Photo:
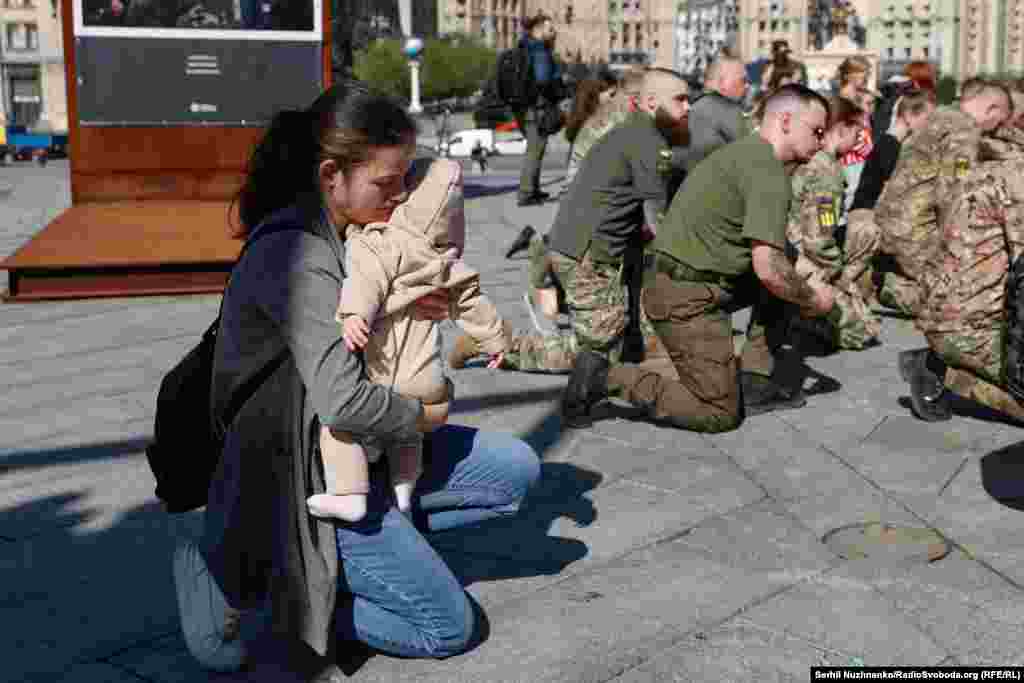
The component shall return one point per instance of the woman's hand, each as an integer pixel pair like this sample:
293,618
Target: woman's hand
355,332
433,306
496,361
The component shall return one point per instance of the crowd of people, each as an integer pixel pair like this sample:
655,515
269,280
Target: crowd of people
877,212
815,210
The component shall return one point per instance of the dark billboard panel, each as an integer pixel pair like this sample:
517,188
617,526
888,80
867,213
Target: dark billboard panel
227,15
190,62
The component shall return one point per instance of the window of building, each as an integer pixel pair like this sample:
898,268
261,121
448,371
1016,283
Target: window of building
906,52
21,37
890,52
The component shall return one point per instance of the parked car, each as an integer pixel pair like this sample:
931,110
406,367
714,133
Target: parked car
462,143
25,145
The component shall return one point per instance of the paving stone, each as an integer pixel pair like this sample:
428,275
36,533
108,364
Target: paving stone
968,610
87,497
849,616
762,537
643,434
574,630
81,595
852,502
786,462
155,358
92,672
47,395
738,651
117,329
166,661
985,528
25,427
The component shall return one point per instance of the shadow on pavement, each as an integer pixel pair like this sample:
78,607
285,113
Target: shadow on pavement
20,460
965,407
477,190
478,403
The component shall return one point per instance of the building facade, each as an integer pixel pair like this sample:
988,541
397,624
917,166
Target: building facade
963,38
701,30
32,88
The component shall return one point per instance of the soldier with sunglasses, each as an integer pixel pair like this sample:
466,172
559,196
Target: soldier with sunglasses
721,247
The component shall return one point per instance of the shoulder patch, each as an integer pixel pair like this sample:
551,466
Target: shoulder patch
827,215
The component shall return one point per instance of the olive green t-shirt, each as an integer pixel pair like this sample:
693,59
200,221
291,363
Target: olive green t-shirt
604,208
739,194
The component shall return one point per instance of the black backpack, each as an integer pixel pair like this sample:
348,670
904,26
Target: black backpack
514,82
188,438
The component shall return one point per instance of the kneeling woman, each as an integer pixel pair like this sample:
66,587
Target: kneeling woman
822,251
341,162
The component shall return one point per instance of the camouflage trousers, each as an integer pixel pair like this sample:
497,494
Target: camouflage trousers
975,358
900,265
856,324
597,303
900,293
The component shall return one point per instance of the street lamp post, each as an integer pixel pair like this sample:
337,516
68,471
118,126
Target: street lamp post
412,49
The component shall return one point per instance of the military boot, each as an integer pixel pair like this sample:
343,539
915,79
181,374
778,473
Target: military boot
465,347
929,400
762,394
816,335
587,385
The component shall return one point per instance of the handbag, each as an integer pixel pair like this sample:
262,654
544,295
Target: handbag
188,438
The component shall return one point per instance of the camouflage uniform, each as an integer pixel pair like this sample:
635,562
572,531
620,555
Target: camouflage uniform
598,313
908,212
815,213
963,288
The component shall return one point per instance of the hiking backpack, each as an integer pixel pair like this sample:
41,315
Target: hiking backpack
514,80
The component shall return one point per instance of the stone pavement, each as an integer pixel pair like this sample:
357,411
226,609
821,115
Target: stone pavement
646,554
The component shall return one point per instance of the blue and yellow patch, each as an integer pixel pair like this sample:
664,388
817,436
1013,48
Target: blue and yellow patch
827,217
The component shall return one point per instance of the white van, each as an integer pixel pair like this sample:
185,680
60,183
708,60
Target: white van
461,144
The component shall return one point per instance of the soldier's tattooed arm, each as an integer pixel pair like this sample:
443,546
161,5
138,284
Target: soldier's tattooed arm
777,274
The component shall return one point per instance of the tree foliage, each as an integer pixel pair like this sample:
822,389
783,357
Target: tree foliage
450,67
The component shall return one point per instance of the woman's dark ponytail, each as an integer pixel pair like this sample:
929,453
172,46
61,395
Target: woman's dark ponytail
281,168
343,123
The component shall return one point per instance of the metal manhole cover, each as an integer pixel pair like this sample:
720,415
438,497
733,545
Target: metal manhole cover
886,541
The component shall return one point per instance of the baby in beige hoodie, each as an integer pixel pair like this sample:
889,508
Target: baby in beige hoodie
389,266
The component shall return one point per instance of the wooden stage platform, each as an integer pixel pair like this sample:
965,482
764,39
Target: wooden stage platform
126,248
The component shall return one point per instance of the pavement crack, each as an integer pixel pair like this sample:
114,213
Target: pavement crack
956,473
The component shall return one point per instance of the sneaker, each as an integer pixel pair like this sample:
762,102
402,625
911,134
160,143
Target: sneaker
521,242
929,400
762,395
543,324
211,627
587,385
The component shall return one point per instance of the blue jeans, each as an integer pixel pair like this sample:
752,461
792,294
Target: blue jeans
403,599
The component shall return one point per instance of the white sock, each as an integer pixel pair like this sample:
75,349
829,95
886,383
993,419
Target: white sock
403,496
350,507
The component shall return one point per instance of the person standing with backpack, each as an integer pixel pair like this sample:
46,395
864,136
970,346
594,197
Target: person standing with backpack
534,116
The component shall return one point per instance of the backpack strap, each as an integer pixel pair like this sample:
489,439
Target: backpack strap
242,395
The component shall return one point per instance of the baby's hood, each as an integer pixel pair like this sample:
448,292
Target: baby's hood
436,206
